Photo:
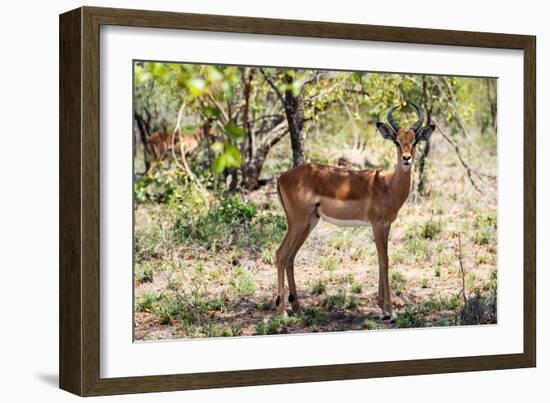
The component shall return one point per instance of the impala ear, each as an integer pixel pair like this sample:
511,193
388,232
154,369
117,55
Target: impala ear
385,131
425,133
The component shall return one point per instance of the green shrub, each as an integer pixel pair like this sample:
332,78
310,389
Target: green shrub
312,317
431,229
266,306
147,303
470,280
222,220
441,303
437,270
235,210
370,324
329,264
268,255
265,231
397,281
145,273
485,228
157,188
418,247
339,301
275,325
397,257
411,317
166,313
356,287
213,330
483,236
148,240
242,283
415,315
165,186
491,284
347,278
232,223
342,241
358,254
318,288
335,301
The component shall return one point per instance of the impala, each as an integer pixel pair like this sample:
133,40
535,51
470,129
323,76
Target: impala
347,198
161,142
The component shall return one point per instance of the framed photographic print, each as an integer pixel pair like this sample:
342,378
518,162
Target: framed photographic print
249,201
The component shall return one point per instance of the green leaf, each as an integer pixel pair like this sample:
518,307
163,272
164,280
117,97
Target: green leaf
227,89
296,87
142,77
233,156
214,74
196,86
217,147
160,70
182,79
211,112
219,164
234,131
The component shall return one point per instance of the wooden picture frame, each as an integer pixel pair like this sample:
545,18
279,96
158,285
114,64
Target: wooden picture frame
79,346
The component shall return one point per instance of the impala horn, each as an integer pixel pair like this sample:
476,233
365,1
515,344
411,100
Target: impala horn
418,123
392,122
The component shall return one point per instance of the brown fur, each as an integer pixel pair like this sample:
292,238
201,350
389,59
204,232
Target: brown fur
161,142
374,197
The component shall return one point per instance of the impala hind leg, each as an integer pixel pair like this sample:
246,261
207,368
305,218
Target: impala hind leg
284,258
281,257
295,247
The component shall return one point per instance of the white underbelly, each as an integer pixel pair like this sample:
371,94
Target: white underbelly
343,223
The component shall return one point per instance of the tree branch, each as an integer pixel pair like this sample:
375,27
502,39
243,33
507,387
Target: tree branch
272,85
314,78
355,91
469,170
457,114
184,165
217,105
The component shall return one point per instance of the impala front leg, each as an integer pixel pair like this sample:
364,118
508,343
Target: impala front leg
281,257
284,260
381,234
293,294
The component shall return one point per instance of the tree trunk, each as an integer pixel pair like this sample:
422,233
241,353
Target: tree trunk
421,188
294,110
253,169
233,180
143,128
249,146
426,101
491,91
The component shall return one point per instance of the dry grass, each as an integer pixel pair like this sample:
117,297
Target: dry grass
223,282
